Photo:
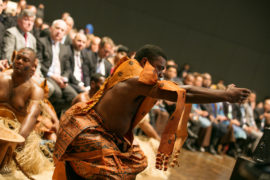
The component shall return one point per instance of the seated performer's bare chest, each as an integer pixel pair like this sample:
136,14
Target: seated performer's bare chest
15,98
118,107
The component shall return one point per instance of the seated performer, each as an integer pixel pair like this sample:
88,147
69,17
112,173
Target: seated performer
95,139
20,97
96,81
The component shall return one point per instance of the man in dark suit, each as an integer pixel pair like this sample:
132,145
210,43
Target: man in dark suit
55,65
81,66
99,59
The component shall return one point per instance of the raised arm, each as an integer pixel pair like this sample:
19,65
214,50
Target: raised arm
195,94
201,95
33,110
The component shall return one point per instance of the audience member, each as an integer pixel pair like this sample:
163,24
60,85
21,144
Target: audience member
99,59
184,70
8,20
199,120
171,62
249,124
218,130
55,65
94,44
19,36
121,51
67,40
262,115
40,11
81,66
65,15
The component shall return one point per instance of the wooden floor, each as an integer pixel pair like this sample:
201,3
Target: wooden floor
194,166
200,166
197,165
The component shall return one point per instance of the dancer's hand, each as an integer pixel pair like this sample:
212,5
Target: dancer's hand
237,95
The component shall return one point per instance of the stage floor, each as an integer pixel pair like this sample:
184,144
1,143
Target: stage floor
194,166
201,166
197,165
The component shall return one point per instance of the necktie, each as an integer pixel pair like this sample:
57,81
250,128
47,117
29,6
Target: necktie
25,37
80,65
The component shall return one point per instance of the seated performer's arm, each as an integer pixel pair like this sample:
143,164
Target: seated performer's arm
54,118
33,110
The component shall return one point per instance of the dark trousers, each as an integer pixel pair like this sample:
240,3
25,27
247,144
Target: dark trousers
61,98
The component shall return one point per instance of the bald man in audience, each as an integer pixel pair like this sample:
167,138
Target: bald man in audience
81,66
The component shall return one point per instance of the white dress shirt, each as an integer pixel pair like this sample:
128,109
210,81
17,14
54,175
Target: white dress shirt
78,74
101,66
55,68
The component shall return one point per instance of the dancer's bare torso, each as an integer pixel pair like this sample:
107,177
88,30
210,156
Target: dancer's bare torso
119,105
15,98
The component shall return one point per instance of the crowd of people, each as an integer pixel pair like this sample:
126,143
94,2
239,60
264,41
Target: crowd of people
70,66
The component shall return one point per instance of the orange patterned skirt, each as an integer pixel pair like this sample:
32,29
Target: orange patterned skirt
97,153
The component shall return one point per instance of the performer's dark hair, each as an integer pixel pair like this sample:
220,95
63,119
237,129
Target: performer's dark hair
150,52
95,77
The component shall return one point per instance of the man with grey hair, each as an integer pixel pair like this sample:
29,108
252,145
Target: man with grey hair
19,36
55,65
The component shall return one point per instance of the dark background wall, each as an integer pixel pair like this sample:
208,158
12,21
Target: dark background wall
229,39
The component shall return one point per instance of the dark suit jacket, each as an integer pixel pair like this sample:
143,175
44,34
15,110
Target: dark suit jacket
68,41
87,70
44,54
94,59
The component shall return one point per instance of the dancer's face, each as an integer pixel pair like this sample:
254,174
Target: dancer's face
159,63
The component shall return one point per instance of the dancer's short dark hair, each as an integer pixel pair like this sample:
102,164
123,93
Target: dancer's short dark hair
150,52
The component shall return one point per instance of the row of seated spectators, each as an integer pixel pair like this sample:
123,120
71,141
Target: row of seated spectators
219,128
69,58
